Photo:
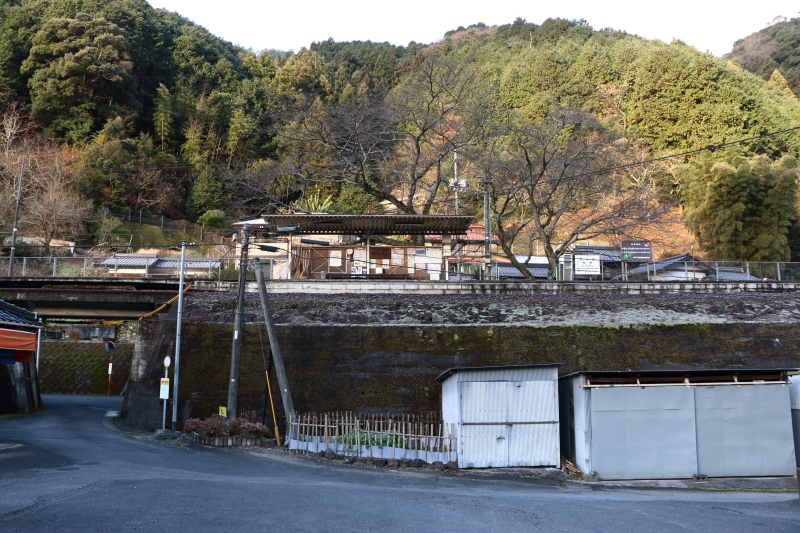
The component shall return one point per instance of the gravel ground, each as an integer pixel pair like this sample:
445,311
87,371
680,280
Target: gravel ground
605,310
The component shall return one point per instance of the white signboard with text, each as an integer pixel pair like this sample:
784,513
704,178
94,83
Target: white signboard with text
587,265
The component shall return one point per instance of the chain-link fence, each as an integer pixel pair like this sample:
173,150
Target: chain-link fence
226,268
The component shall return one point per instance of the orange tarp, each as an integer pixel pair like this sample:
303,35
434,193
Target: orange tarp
17,340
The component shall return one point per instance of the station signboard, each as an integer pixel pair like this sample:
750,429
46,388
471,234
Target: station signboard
637,251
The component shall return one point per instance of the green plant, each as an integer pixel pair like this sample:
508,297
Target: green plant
381,439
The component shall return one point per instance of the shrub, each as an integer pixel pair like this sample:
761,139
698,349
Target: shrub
191,424
236,426
214,426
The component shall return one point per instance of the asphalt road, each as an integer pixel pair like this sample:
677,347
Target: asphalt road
73,473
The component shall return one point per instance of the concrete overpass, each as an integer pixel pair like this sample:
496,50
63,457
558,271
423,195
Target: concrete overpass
89,298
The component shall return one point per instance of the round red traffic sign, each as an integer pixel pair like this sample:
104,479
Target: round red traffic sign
167,361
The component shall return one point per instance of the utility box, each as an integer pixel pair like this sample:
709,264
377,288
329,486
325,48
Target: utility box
678,424
503,416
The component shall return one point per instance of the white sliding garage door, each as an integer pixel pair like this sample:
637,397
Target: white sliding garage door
508,423
678,431
643,433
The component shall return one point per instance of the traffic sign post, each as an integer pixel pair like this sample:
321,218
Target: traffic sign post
163,392
110,347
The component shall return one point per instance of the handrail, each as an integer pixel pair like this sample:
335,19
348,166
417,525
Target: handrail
148,315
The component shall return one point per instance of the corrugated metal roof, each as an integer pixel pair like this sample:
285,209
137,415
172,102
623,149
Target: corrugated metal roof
362,224
450,371
695,373
14,314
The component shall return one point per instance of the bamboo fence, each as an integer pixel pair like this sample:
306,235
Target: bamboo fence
378,436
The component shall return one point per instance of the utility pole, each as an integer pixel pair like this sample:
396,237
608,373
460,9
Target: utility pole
176,372
18,198
487,229
277,358
457,186
238,326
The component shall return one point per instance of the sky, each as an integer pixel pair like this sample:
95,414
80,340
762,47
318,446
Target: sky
708,25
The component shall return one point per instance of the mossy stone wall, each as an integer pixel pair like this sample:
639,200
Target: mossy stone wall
82,367
393,368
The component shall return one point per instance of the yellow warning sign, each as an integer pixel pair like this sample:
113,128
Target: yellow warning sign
223,411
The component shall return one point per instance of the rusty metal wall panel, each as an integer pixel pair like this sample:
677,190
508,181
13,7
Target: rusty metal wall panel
643,433
744,431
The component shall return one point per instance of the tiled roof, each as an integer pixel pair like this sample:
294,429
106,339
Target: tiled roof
475,234
361,224
143,261
190,263
508,271
130,260
663,264
606,253
13,314
733,274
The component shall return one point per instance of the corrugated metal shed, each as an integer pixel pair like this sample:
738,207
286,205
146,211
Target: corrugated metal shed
676,424
504,415
363,224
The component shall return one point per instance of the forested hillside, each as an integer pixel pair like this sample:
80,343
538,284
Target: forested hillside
115,105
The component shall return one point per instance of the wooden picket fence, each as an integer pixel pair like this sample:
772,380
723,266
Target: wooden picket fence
378,436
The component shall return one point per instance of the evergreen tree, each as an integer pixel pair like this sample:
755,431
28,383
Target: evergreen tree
79,76
162,117
738,208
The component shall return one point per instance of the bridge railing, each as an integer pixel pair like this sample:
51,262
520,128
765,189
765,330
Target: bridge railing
91,267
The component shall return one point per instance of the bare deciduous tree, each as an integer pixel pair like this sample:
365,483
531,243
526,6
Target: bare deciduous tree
56,210
548,183
13,124
392,147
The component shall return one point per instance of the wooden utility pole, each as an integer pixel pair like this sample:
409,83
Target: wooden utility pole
277,358
238,327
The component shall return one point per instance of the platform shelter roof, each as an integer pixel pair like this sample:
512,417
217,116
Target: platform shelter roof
327,224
